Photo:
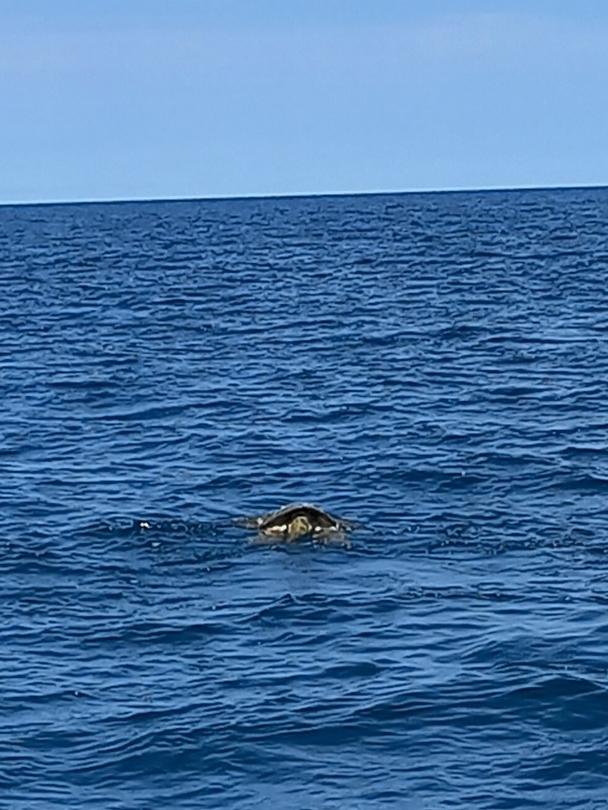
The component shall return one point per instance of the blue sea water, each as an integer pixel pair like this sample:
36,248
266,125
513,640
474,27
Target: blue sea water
434,366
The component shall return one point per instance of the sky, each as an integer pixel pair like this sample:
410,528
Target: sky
136,99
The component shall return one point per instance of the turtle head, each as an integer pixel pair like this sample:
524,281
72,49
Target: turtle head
299,526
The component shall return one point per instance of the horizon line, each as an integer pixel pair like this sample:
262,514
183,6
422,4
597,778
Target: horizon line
301,195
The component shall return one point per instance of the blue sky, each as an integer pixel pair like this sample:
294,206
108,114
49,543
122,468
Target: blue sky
193,98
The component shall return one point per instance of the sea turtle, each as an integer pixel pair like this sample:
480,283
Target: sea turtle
298,520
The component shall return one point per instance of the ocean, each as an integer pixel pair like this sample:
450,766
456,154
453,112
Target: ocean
433,366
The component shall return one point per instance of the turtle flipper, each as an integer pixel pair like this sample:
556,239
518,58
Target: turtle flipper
349,525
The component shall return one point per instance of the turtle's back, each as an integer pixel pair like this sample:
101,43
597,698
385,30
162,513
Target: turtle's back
315,516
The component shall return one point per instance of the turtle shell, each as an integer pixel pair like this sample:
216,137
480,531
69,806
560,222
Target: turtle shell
318,518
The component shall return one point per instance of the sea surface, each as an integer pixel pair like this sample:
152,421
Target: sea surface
432,366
